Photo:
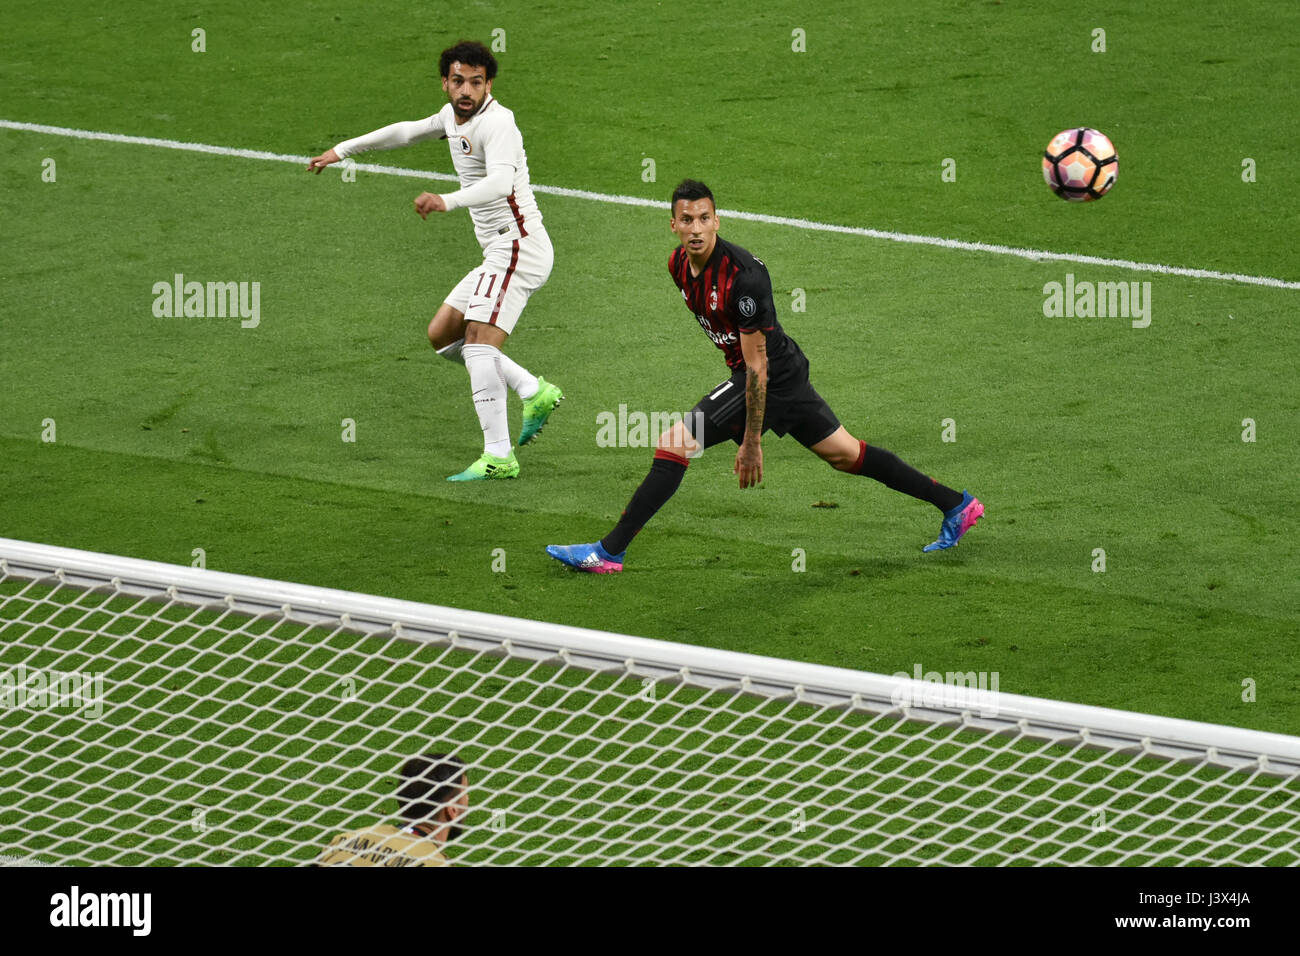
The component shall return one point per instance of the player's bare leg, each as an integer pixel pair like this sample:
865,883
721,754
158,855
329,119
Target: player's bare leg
841,450
673,451
960,510
447,332
678,443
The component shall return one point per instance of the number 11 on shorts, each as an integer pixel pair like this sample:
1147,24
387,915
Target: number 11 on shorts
491,277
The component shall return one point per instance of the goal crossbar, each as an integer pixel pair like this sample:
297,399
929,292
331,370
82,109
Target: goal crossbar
823,685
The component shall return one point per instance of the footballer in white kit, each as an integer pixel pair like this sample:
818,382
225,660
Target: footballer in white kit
473,322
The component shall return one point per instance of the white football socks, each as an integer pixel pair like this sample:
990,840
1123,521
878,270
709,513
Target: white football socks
523,382
487,381
452,352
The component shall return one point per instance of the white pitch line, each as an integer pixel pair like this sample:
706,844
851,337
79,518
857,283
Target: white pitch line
1035,255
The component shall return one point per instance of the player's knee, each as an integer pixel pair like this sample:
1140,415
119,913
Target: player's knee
841,451
841,461
446,327
480,333
677,443
669,444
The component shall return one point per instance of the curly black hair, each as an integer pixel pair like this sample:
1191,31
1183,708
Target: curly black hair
471,53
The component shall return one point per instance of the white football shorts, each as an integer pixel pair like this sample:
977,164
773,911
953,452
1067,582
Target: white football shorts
512,270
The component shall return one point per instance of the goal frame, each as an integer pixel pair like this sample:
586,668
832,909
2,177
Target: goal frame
771,678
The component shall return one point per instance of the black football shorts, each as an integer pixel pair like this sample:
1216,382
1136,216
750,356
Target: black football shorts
793,409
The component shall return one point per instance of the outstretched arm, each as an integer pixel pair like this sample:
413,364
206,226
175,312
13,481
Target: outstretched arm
391,136
749,457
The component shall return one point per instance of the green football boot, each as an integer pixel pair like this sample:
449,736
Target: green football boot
489,466
538,409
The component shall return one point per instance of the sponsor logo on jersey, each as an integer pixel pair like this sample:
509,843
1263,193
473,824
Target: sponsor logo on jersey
747,306
719,338
465,147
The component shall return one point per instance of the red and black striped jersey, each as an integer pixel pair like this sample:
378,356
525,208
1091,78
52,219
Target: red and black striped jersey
733,294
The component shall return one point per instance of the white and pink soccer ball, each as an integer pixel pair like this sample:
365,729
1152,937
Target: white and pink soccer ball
1080,164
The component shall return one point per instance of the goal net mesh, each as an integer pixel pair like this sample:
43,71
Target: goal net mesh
139,726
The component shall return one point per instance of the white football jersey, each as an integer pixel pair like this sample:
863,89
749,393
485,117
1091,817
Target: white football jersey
489,142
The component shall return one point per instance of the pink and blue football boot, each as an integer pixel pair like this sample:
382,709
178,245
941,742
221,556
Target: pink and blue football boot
587,557
957,522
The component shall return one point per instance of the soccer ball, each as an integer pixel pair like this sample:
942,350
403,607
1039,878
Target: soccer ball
1080,164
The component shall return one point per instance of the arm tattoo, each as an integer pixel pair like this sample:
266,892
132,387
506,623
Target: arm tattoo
756,396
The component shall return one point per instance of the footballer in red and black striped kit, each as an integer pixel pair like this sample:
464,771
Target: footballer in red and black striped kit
730,293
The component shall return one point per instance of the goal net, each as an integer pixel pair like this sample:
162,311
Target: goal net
156,715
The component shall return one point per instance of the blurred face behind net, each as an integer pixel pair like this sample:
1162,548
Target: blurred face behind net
456,810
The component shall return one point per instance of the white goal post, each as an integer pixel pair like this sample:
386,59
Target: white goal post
153,714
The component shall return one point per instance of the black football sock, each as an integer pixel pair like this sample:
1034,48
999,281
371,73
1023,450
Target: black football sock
658,486
893,472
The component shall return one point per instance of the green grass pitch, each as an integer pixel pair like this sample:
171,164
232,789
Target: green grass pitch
1077,433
